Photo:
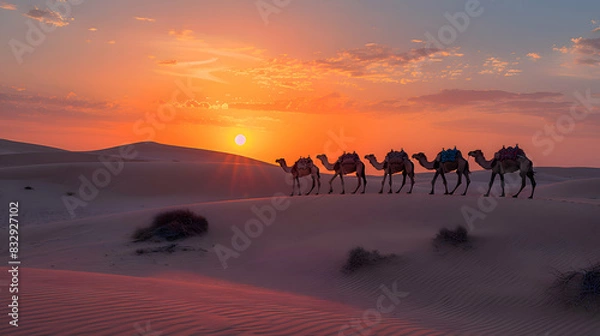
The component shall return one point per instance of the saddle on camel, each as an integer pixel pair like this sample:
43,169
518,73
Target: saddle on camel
396,157
449,155
510,153
303,164
346,159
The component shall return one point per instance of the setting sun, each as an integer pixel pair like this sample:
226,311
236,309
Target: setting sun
240,139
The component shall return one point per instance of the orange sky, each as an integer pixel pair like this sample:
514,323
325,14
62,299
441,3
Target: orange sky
107,76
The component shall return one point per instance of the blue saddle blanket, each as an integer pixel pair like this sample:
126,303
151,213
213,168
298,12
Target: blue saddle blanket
449,155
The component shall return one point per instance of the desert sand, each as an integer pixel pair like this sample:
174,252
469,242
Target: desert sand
81,275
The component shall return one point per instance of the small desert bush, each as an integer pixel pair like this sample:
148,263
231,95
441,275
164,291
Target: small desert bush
580,289
28,188
457,237
172,225
358,257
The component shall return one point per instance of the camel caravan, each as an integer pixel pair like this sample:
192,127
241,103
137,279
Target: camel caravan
506,160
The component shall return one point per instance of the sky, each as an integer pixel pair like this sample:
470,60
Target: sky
301,78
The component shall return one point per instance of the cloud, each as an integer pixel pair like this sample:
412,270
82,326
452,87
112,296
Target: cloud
51,109
194,70
48,16
534,56
372,63
167,62
93,29
457,97
381,64
542,104
496,66
145,19
7,6
587,50
182,35
112,42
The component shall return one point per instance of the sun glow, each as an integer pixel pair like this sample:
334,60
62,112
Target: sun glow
240,139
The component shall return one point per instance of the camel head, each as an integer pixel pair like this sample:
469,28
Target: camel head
321,157
419,156
280,161
370,157
476,153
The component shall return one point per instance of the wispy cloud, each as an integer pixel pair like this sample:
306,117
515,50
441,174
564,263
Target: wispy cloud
145,19
167,62
48,16
93,29
7,6
182,35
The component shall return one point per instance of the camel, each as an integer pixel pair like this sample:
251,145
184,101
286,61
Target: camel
302,167
460,165
394,162
500,167
346,164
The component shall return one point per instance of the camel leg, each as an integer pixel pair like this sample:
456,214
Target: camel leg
331,180
491,184
502,183
318,183
364,177
468,182
459,182
343,186
383,183
293,186
313,185
435,176
298,183
523,183
532,179
390,191
359,183
445,183
403,181
412,182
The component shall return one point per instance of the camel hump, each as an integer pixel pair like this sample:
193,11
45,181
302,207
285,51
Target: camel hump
510,153
347,158
396,157
304,163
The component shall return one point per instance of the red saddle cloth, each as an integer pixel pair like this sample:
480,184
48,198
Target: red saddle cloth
509,153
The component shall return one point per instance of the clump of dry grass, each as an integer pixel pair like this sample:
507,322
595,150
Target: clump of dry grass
172,225
358,257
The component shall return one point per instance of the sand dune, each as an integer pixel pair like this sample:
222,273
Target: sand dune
118,305
85,277
16,147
